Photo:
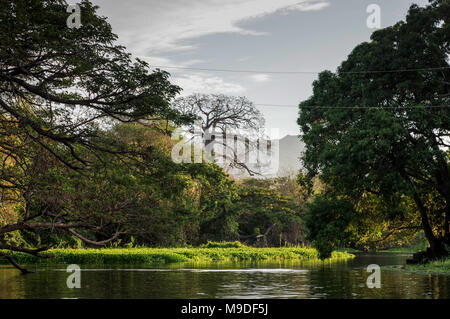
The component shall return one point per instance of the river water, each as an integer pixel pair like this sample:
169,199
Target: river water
345,279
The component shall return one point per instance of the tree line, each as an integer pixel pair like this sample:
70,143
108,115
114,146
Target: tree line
85,145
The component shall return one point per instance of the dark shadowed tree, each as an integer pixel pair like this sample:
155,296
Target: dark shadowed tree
380,125
60,88
327,219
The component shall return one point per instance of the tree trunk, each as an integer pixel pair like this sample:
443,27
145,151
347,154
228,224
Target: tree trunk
447,224
424,218
437,247
13,262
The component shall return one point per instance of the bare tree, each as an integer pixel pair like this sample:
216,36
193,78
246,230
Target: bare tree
221,117
222,111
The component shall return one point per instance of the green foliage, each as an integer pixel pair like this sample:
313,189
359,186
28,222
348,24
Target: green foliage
174,255
378,225
263,209
223,244
66,159
380,133
327,219
437,266
213,194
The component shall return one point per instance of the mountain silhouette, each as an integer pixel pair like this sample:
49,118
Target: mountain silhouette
290,150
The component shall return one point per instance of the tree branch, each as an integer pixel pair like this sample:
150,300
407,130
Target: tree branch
95,243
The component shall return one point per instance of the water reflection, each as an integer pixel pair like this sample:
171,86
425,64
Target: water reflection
344,279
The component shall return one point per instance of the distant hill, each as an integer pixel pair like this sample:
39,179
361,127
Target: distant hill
291,148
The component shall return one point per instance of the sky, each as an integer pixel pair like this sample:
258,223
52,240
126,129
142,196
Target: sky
261,36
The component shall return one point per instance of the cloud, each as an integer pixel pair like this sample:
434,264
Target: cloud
151,27
311,5
243,59
158,31
197,82
260,77
203,83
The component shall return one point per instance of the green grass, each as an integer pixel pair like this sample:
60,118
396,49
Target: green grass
175,255
224,244
348,250
438,266
401,250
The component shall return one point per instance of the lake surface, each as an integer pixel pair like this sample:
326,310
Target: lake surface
345,279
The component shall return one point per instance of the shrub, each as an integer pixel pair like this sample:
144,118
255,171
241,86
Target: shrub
223,244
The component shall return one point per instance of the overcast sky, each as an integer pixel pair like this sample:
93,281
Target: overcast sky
261,35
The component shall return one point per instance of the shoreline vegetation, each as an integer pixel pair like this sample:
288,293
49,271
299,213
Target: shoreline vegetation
441,266
436,266
400,250
115,175
177,255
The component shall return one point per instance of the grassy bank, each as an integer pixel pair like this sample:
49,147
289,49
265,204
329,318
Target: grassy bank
438,266
174,255
402,250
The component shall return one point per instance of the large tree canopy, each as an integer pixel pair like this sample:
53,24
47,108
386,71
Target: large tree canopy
380,125
57,82
61,88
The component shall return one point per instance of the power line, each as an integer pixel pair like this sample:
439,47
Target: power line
298,72
355,107
277,105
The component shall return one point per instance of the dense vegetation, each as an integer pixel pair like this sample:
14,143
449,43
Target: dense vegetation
378,136
85,148
150,256
85,151
437,266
